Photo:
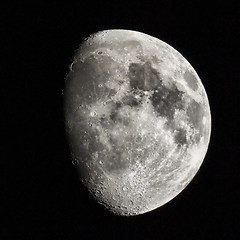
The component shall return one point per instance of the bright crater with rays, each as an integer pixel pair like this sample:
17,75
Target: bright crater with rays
137,119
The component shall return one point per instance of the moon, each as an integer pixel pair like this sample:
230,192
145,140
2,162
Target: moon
137,120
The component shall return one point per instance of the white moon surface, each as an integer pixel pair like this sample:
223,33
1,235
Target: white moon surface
138,120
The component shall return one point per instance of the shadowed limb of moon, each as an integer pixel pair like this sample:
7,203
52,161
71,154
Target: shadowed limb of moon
137,119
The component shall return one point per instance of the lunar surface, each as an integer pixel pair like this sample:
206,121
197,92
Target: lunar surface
137,120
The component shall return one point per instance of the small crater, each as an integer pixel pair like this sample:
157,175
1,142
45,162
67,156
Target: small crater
75,162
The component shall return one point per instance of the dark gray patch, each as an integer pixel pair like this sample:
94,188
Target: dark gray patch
191,80
180,136
195,114
143,76
113,115
165,101
131,101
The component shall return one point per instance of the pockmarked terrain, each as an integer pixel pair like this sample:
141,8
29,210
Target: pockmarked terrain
137,119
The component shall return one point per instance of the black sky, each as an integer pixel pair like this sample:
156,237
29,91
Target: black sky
42,196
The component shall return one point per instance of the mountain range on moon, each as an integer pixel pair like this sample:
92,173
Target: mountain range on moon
138,120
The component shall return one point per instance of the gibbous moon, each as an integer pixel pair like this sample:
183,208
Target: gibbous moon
137,119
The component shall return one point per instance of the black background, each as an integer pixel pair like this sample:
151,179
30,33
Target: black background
42,196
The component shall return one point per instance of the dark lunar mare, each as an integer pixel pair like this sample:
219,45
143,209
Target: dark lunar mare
143,76
191,80
164,100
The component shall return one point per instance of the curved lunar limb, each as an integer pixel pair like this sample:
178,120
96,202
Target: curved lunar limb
137,119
